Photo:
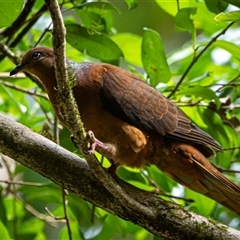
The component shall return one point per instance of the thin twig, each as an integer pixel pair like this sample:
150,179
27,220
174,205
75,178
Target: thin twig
29,25
24,183
227,170
230,83
65,202
15,87
59,219
196,57
49,220
5,50
12,189
160,192
232,148
43,34
235,160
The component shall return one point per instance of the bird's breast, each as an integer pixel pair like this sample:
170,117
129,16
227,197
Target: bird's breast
132,145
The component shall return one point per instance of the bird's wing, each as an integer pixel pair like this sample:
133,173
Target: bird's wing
134,101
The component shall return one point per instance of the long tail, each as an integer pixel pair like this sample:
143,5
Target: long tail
191,169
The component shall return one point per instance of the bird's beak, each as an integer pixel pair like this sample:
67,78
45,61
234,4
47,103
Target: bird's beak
17,69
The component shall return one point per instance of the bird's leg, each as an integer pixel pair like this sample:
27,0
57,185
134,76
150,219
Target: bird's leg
93,143
106,149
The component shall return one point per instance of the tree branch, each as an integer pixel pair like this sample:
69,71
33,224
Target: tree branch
69,171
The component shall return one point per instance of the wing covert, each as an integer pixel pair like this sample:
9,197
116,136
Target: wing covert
139,104
134,101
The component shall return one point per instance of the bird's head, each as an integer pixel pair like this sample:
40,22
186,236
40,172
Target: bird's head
36,61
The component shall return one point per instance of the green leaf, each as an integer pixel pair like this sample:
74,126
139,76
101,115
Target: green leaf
3,216
154,58
92,229
9,11
4,231
14,105
173,6
131,4
229,47
130,44
95,44
201,204
88,227
204,20
32,225
64,234
100,7
97,15
200,92
129,174
229,16
91,20
161,179
183,18
216,6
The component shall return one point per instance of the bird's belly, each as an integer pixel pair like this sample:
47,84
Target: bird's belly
126,144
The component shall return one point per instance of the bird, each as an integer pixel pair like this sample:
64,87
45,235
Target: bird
134,125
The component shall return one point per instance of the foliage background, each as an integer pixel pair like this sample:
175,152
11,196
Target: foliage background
139,36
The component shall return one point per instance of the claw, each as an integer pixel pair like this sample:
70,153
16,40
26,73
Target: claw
93,143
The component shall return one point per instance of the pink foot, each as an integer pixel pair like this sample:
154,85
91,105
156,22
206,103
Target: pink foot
93,143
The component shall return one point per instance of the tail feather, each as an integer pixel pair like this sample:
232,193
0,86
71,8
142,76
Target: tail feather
227,194
191,169
221,189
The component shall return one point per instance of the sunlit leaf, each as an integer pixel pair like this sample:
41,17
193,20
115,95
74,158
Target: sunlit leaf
203,20
229,46
183,18
130,44
100,7
154,57
229,16
96,15
201,204
11,100
9,11
216,6
173,6
4,231
131,4
200,92
95,44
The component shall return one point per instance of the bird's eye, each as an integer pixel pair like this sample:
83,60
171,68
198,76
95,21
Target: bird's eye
36,55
